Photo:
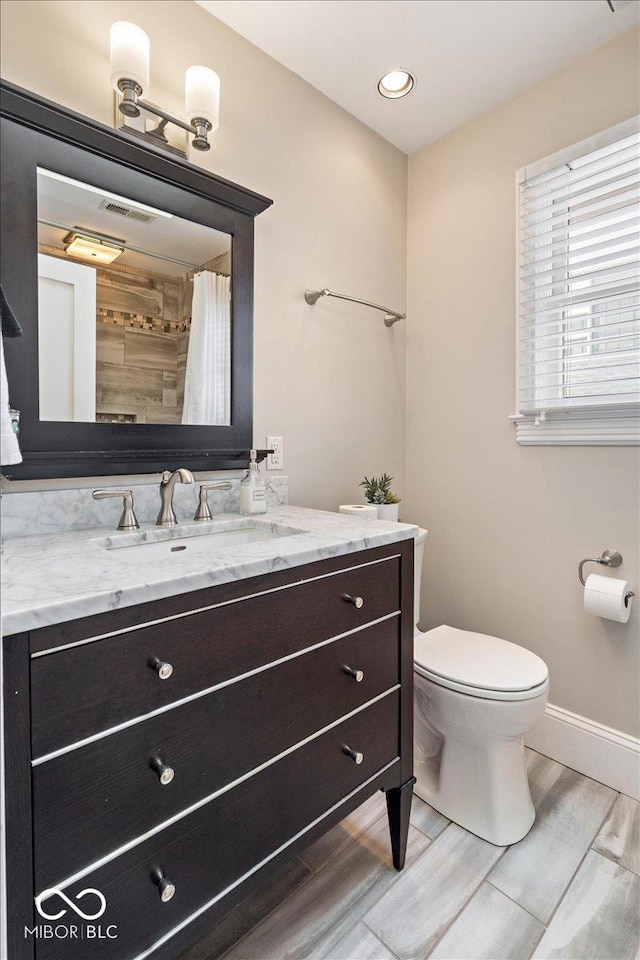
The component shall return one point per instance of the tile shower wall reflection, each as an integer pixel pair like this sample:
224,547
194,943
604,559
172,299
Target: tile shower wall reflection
137,348
142,337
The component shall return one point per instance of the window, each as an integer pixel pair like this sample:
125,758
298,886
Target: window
578,340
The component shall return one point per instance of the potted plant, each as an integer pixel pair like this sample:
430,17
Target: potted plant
377,490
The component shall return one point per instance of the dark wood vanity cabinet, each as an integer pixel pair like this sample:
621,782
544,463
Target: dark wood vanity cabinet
172,755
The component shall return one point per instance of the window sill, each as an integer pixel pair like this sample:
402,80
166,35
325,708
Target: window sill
613,427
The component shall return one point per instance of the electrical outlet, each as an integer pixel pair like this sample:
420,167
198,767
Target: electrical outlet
275,460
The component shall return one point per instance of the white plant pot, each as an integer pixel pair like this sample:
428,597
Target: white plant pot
388,511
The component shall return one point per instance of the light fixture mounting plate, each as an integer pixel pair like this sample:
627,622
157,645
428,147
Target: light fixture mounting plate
151,129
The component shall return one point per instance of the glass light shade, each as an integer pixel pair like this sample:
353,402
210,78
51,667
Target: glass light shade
202,95
86,248
396,83
130,55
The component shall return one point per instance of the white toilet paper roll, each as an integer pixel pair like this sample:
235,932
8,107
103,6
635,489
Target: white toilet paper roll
359,510
605,597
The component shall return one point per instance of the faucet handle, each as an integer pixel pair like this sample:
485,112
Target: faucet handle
128,519
203,512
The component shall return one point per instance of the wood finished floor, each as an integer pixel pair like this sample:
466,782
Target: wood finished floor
569,890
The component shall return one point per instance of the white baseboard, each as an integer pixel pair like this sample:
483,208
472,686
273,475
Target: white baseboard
606,755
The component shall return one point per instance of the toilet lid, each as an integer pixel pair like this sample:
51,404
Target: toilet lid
477,660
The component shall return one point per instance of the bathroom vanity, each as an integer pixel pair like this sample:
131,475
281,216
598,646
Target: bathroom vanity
171,753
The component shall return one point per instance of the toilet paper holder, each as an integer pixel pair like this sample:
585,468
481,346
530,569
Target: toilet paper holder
609,558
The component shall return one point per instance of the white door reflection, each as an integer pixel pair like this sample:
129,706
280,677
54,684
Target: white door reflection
67,381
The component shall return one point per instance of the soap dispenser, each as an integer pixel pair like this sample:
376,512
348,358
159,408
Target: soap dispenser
253,489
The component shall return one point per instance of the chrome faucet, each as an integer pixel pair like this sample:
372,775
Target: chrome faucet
167,517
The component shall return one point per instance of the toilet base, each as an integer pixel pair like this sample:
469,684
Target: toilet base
469,760
485,792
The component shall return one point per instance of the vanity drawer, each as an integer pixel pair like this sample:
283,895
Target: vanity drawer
108,792
215,845
92,687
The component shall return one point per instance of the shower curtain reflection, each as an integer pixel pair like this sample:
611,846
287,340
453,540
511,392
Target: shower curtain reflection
207,388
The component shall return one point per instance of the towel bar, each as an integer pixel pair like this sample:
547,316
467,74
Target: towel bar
390,316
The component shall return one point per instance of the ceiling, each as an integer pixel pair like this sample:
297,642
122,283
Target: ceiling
467,55
66,206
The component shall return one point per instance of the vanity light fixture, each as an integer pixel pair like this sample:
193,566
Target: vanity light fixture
397,83
88,248
130,60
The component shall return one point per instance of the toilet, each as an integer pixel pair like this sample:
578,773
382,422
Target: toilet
476,697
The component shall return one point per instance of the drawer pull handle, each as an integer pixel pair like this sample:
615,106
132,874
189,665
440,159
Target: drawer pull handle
355,755
358,675
165,773
166,888
162,667
358,602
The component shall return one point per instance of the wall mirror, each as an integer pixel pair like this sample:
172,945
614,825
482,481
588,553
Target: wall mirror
121,336
131,274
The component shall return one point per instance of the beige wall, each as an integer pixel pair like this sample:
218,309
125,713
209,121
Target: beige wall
508,524
329,379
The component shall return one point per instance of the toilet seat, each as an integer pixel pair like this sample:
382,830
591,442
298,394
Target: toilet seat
479,665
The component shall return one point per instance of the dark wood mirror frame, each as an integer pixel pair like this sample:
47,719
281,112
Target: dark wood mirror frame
37,133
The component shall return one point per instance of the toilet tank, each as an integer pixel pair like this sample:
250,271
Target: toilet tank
418,554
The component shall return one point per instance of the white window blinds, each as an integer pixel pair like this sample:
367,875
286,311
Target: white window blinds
579,292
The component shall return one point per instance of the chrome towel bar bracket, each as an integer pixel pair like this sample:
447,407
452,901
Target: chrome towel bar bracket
390,316
609,558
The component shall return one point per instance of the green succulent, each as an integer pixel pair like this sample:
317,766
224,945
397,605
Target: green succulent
378,489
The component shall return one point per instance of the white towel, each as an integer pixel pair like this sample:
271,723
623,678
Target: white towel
9,449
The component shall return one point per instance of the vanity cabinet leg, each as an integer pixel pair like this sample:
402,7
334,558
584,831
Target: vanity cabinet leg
398,810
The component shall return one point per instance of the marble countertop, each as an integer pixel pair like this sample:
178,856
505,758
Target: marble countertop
47,579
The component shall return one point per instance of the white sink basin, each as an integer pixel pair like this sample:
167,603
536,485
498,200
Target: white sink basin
177,545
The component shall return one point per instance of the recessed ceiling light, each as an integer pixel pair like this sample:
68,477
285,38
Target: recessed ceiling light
396,83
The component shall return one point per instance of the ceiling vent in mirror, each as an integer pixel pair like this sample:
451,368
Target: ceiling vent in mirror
121,211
